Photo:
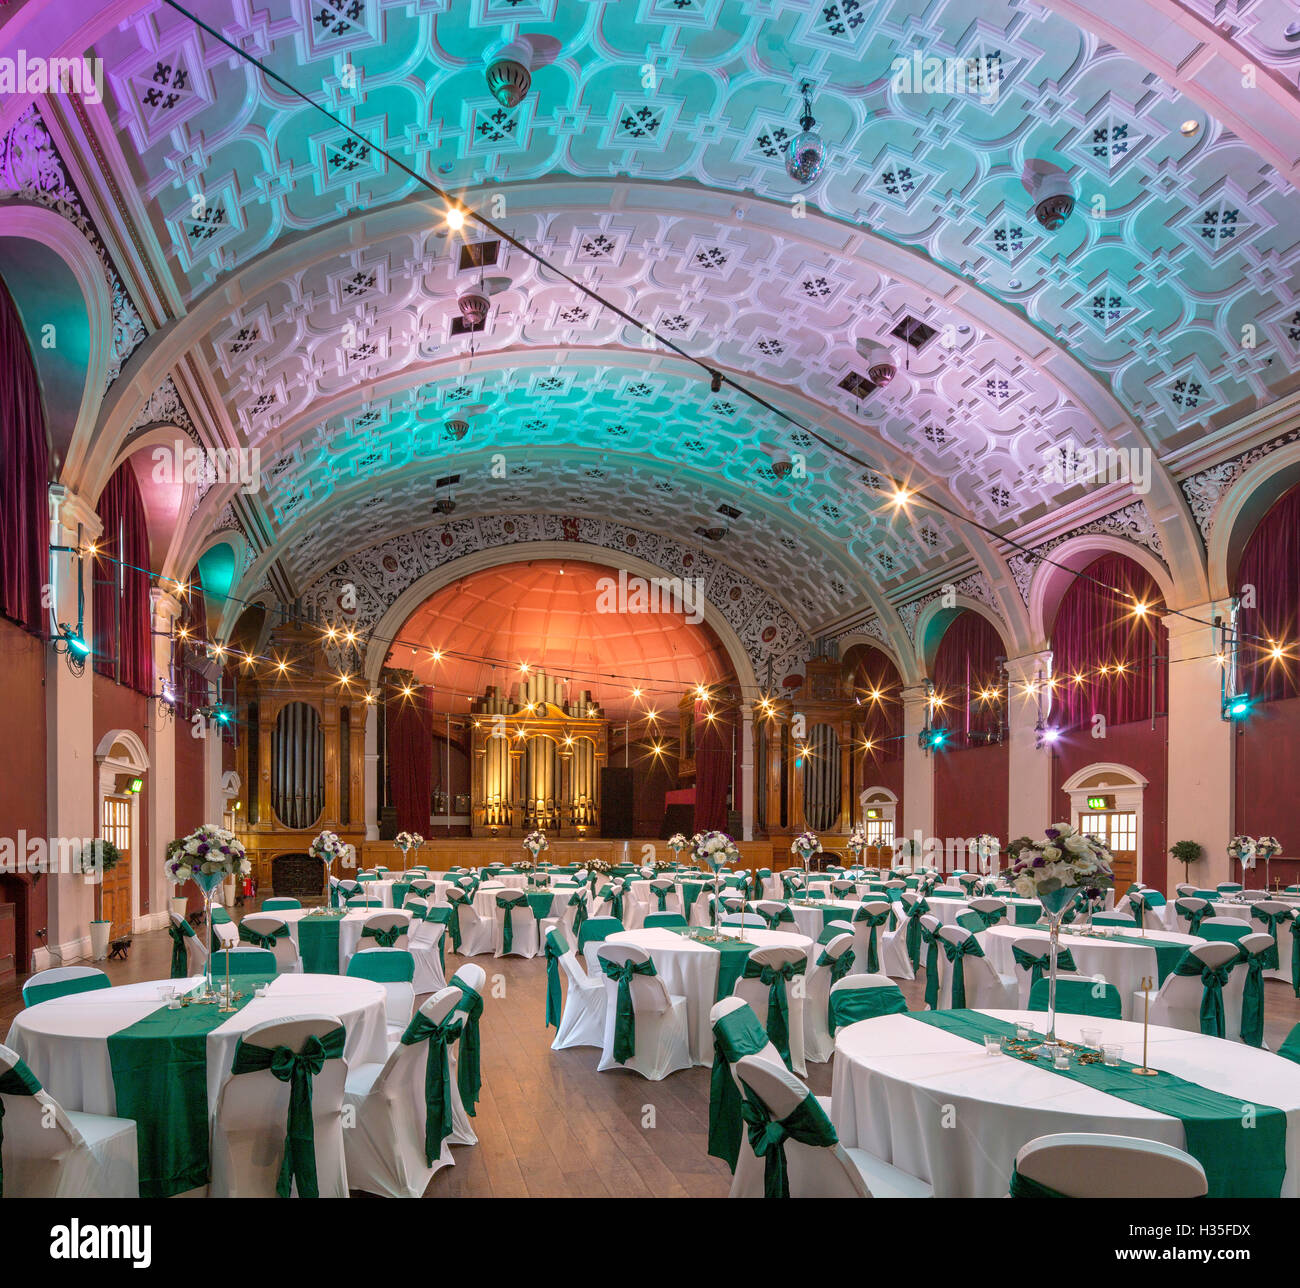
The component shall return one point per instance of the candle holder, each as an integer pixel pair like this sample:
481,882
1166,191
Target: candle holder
1147,983
227,1002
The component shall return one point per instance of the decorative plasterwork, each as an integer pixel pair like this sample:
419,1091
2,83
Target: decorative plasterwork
976,586
1133,523
1206,489
32,170
380,574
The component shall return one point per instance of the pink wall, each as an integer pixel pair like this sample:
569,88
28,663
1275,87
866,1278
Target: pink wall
1268,804
970,792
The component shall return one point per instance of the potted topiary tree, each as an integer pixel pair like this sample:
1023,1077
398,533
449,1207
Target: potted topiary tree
103,857
1186,852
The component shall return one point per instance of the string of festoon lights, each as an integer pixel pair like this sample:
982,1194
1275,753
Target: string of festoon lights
900,496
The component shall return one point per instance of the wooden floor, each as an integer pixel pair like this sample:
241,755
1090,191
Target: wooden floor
550,1126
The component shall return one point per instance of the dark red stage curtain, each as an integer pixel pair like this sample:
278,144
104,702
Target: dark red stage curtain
24,477
881,719
963,667
1271,565
712,770
1095,627
410,760
123,611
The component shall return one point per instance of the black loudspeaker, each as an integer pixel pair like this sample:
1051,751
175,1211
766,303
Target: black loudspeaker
677,818
616,811
388,822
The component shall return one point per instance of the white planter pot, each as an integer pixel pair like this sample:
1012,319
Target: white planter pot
100,932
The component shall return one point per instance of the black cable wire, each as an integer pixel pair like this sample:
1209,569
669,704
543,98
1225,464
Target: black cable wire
665,341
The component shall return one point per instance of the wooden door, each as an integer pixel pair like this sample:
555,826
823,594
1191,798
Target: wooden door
115,826
1118,830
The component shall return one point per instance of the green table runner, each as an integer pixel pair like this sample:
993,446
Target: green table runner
318,944
735,953
1239,1162
1167,955
539,903
160,1079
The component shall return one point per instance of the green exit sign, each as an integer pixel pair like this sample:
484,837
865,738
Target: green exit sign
1101,802
873,813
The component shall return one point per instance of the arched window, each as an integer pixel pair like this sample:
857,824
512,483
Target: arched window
1268,584
1102,651
24,476
879,689
968,681
123,643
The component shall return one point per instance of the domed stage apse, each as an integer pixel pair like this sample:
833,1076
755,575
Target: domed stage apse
546,674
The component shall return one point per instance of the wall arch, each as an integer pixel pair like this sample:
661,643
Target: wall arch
1248,500
935,620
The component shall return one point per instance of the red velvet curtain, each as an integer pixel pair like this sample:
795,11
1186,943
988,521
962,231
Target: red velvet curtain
123,612
881,720
1271,564
712,769
1096,627
24,477
410,760
964,665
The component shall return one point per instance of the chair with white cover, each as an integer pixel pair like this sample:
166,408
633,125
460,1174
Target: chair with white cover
1184,889
991,912
471,979
1147,908
1194,912
388,929
1032,955
1269,916
269,931
664,896
401,1109
1088,1165
832,963
280,903
1202,994
1119,920
645,1025
394,968
1254,956
59,981
753,920
245,959
582,1019
787,1122
870,923
475,932
1226,930
768,985
189,954
253,1155
1228,887
514,928
843,888
862,997
425,941
736,1033
966,977
48,1152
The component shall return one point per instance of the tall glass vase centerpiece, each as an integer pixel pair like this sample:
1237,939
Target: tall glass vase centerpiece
805,845
535,843
716,850
406,842
327,847
1266,847
858,842
207,856
1055,873
987,849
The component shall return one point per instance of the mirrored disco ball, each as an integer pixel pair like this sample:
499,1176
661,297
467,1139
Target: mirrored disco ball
804,156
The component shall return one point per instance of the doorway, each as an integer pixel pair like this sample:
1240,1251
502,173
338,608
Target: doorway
115,825
1118,831
1106,799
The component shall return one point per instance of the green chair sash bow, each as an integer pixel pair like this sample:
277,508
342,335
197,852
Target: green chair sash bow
912,935
736,1035
661,894
1272,921
1194,916
1038,963
384,936
595,930
872,920
625,1014
509,902
1023,1188
807,1124
615,896
1212,978
258,940
179,934
469,1073
453,922
956,955
578,902
776,919
556,947
777,978
839,967
931,940
1252,996
850,1005
990,918
17,1081
297,1068
437,1076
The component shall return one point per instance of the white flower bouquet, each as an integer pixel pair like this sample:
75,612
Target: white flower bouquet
858,841
716,849
408,841
805,844
987,849
677,843
1067,862
1267,847
208,852
1243,849
328,848
536,842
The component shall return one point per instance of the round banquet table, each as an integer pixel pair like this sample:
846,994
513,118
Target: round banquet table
690,970
1122,960
1026,911
66,1042
328,942
934,1104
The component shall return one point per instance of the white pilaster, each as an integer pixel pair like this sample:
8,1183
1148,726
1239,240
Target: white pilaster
1202,745
162,765
747,772
70,727
372,772
918,767
1029,794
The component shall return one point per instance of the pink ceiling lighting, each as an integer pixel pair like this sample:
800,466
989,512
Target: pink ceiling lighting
546,613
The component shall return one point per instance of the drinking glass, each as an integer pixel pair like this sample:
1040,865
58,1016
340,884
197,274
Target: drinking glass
992,1044
1090,1037
1112,1053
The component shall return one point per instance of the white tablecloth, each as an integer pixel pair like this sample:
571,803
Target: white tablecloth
937,1106
350,925
690,970
65,1040
1121,964
948,910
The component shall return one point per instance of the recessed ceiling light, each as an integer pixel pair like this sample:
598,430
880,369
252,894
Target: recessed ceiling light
1014,283
963,328
1292,31
1190,127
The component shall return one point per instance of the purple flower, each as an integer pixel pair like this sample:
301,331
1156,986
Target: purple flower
1052,833
1038,862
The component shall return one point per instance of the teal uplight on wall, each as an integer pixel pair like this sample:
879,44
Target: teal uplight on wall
217,576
